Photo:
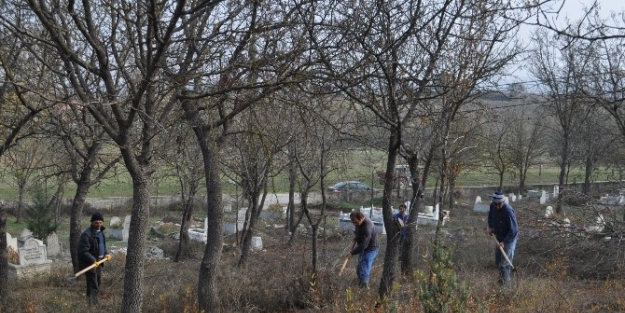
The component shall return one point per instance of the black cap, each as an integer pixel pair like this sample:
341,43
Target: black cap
97,217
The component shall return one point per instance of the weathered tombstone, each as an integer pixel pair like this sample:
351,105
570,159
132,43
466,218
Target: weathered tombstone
25,235
126,228
478,206
33,252
556,190
115,221
543,198
548,212
197,234
54,247
257,243
116,228
513,198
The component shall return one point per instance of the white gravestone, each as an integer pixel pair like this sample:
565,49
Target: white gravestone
33,260
126,228
116,221
257,243
543,198
54,247
11,242
478,206
33,252
25,234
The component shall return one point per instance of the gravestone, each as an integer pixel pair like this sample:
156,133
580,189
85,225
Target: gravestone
257,243
33,260
556,190
115,221
33,252
478,206
11,242
54,247
116,229
543,198
126,228
25,235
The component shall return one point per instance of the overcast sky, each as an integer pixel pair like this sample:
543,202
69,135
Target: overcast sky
572,11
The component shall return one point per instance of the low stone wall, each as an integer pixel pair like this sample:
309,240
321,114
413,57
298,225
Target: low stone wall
471,192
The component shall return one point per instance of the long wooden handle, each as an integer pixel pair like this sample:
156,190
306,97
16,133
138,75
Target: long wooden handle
343,267
346,259
96,264
503,252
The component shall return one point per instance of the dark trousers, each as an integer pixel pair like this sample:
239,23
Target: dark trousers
94,277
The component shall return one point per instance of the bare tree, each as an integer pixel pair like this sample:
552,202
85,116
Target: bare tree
18,107
113,57
385,55
591,26
84,159
526,141
179,160
24,161
561,74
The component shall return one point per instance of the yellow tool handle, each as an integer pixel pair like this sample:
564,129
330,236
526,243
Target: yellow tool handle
503,252
96,264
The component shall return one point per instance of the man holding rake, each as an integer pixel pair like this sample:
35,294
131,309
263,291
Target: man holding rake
502,223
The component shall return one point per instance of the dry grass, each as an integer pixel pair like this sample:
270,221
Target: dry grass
555,274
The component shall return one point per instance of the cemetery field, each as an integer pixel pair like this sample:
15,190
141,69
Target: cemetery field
558,270
360,171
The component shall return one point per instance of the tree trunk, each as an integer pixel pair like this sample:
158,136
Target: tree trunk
561,177
587,175
208,295
4,261
132,300
75,230
392,237
20,202
253,212
292,180
522,177
187,214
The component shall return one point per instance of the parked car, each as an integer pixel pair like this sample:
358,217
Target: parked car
346,186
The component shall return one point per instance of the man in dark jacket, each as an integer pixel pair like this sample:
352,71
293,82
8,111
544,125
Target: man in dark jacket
365,245
502,223
92,248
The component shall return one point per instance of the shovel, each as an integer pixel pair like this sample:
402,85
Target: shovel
504,253
107,257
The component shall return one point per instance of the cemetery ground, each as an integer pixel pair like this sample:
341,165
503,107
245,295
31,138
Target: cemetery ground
558,270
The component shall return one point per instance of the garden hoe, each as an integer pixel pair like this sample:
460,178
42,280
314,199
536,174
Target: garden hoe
108,257
504,254
346,259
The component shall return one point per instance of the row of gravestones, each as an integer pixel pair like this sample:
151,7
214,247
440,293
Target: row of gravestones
28,256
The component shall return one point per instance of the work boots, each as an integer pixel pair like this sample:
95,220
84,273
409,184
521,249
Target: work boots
363,285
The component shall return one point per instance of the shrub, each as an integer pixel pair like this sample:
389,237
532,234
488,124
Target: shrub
441,290
39,218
